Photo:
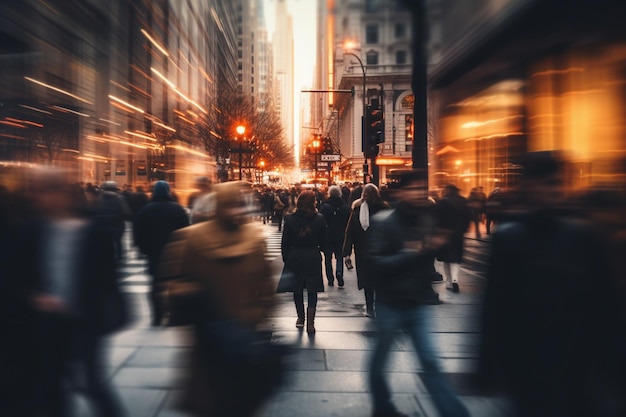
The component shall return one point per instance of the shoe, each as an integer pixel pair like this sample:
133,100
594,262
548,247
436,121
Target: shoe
300,323
455,287
370,313
331,283
340,281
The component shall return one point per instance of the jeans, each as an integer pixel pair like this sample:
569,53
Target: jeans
335,249
414,321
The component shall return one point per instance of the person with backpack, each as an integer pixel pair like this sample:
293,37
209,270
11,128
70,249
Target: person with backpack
336,212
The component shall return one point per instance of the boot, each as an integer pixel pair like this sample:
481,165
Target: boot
310,322
300,311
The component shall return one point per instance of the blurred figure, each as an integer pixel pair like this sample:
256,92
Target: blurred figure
401,246
493,207
267,205
336,212
63,275
203,187
477,201
281,204
152,228
553,333
355,193
136,200
454,215
303,241
112,212
356,236
229,375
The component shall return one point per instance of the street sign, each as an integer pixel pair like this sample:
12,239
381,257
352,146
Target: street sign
322,164
330,157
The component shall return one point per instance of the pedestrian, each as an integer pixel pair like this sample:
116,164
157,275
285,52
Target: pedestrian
281,204
355,193
112,212
356,237
454,215
477,200
401,246
303,241
267,205
203,186
136,200
152,228
63,275
336,212
231,369
553,334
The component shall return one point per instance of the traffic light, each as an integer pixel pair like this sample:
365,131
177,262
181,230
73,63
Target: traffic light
375,124
327,146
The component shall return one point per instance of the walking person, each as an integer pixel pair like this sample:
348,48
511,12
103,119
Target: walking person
355,238
477,201
152,228
336,212
64,272
231,369
281,204
401,246
549,274
112,212
303,241
454,215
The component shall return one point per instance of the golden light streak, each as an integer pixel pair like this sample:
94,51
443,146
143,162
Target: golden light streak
180,93
28,122
35,109
142,135
155,43
119,100
123,87
110,121
164,126
12,136
32,80
66,110
186,120
216,135
208,78
161,76
191,151
12,124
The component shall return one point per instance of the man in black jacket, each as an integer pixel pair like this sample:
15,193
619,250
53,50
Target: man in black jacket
336,212
402,245
152,228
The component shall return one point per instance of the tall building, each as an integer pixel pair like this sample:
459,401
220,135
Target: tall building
370,50
282,42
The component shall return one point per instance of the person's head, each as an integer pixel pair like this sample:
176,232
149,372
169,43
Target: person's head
161,190
370,193
542,178
450,189
306,203
334,191
232,203
203,184
109,186
411,188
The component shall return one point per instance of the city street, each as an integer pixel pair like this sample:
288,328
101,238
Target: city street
328,372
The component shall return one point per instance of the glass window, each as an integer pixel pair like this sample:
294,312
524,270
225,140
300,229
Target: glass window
371,33
400,57
400,30
371,58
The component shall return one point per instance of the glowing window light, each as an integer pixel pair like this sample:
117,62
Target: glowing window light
119,100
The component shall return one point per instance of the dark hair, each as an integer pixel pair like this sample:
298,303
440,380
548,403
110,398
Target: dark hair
306,203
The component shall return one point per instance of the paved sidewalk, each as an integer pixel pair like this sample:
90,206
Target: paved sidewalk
328,372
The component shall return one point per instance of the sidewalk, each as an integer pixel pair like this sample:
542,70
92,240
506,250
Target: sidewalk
328,373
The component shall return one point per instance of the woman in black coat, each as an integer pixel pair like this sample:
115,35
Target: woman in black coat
356,237
303,241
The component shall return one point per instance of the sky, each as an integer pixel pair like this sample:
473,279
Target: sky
304,14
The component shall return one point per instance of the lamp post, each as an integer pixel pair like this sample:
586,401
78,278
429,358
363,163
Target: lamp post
363,141
240,131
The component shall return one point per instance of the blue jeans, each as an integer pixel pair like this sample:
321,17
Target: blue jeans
414,321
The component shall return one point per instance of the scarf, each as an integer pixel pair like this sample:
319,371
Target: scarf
364,215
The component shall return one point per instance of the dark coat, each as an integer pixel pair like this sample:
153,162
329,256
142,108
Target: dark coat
304,238
552,331
454,215
355,237
153,226
402,275
336,212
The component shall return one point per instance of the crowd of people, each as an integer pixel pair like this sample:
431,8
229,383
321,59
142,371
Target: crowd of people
61,247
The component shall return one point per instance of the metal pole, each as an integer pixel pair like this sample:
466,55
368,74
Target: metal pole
240,149
363,141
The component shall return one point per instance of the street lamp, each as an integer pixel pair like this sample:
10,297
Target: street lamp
240,131
363,141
